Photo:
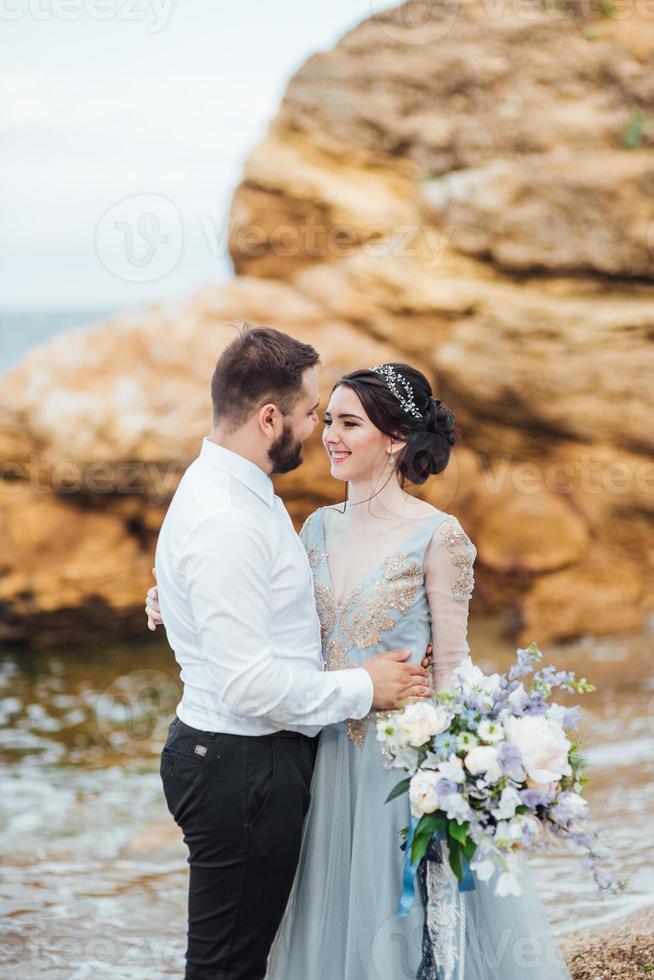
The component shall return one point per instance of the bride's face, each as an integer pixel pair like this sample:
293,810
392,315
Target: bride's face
357,450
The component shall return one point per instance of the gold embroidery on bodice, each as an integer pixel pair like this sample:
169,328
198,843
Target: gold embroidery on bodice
363,616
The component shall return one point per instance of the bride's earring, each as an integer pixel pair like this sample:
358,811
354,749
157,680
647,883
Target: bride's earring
391,459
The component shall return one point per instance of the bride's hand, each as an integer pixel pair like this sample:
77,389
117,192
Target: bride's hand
152,606
429,656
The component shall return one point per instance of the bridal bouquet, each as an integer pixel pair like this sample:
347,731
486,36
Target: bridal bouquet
492,772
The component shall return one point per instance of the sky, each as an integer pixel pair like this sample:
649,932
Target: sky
124,127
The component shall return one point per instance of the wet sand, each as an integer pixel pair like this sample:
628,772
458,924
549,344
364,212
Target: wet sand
623,950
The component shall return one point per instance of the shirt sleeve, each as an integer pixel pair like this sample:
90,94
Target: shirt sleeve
449,583
227,564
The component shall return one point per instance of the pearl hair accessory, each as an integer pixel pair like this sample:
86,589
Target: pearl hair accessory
394,381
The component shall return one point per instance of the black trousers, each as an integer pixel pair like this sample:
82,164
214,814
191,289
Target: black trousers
240,801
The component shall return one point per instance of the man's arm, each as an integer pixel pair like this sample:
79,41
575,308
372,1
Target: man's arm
227,567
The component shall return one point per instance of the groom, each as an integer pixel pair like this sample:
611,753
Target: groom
236,596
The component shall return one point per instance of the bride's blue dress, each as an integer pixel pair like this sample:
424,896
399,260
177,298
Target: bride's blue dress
341,921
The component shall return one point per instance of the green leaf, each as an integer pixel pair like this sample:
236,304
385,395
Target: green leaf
459,831
437,822
420,844
401,787
454,849
426,827
469,849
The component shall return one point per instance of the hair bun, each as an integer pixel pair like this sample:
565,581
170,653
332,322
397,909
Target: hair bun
439,420
428,447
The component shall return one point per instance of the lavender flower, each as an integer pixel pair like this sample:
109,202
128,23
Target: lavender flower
510,761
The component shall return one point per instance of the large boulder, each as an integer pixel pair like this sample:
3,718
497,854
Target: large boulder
463,185
96,428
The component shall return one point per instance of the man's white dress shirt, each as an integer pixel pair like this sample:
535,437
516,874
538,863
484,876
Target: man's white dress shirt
237,601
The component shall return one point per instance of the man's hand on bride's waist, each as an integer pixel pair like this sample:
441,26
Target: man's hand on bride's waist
394,681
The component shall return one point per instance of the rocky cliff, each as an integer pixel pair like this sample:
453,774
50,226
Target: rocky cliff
465,185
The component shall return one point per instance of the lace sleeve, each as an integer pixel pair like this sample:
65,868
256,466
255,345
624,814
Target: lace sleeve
305,531
449,583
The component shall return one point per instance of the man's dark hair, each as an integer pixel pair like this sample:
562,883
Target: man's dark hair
260,365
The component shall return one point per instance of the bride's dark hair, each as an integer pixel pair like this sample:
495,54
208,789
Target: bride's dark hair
428,439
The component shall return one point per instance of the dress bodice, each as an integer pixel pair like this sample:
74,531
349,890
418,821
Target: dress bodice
419,590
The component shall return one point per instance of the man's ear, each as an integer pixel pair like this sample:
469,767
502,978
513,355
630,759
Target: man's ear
269,418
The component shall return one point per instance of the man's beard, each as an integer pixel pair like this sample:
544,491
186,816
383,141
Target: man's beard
285,454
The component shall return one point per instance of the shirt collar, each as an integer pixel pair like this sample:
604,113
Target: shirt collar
242,469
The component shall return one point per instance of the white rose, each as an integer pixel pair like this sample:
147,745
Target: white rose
484,759
421,720
543,747
422,792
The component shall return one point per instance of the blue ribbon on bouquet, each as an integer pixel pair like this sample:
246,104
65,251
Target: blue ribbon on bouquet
409,870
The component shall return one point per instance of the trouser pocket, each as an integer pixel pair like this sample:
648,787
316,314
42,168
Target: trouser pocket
184,762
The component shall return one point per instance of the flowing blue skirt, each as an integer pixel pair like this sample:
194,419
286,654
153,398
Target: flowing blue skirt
341,921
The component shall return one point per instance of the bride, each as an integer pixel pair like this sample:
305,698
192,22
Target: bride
390,572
